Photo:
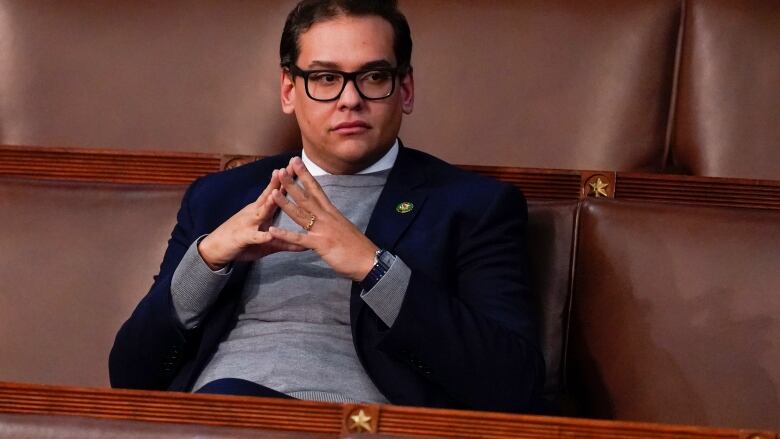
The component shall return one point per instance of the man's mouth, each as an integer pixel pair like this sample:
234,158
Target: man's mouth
354,127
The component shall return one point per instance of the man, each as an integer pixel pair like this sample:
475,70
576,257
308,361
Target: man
360,271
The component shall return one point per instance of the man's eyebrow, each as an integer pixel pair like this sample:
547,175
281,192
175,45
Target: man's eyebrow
323,65
377,64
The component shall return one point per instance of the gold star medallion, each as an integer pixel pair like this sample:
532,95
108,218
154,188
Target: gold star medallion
404,207
598,188
361,422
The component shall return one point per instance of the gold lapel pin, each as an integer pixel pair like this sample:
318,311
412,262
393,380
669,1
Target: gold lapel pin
404,207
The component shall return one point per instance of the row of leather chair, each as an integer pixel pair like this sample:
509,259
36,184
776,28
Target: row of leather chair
660,312
688,86
652,312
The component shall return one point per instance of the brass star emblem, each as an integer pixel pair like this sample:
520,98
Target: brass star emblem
598,188
361,422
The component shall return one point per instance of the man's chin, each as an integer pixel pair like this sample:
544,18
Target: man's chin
356,155
355,149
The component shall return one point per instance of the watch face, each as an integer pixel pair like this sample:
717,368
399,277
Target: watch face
386,258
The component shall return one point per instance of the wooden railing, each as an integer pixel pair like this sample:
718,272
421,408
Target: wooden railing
327,419
153,167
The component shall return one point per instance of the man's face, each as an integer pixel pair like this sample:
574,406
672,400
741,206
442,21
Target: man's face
348,134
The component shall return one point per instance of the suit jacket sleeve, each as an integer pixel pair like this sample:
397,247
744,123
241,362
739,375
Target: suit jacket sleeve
475,334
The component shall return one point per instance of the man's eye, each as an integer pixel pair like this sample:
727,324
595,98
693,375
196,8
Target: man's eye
325,78
376,76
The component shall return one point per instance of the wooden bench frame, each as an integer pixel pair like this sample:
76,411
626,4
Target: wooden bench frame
155,167
332,419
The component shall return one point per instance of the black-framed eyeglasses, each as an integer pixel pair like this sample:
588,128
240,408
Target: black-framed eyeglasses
327,85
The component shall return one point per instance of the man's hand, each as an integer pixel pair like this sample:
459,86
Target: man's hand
335,239
245,237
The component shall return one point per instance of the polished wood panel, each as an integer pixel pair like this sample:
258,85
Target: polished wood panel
327,418
105,165
704,191
153,167
171,407
536,184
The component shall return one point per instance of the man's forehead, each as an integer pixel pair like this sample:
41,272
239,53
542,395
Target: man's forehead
347,42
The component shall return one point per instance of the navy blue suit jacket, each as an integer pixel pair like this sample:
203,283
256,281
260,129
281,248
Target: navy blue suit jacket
466,334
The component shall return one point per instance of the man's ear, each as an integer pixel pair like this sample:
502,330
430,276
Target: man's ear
287,91
407,92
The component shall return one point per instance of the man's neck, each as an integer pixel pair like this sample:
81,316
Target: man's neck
385,162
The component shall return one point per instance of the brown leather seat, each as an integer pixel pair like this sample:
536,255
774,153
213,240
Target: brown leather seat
550,238
728,118
76,260
676,314
179,75
552,84
560,84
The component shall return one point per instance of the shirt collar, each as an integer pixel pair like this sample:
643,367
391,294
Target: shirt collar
386,162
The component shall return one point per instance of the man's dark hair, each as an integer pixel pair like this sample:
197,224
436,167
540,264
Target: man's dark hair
309,12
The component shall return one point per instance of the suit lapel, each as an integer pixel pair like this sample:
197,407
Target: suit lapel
400,202
405,184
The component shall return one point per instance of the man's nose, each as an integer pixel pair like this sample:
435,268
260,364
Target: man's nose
350,97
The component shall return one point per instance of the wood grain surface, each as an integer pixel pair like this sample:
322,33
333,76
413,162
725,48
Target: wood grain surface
326,418
157,167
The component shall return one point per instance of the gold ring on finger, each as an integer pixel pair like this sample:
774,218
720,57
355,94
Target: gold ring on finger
312,220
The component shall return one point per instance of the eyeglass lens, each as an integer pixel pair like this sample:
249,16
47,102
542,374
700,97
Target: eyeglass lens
375,84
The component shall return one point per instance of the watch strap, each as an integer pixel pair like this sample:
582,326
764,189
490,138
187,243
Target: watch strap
382,262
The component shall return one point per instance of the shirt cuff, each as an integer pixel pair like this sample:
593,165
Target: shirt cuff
195,286
387,295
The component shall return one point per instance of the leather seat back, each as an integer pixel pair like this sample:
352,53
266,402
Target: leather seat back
550,238
676,314
76,260
178,75
549,84
727,121
561,84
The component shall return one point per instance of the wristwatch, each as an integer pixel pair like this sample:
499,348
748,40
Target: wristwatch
383,259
